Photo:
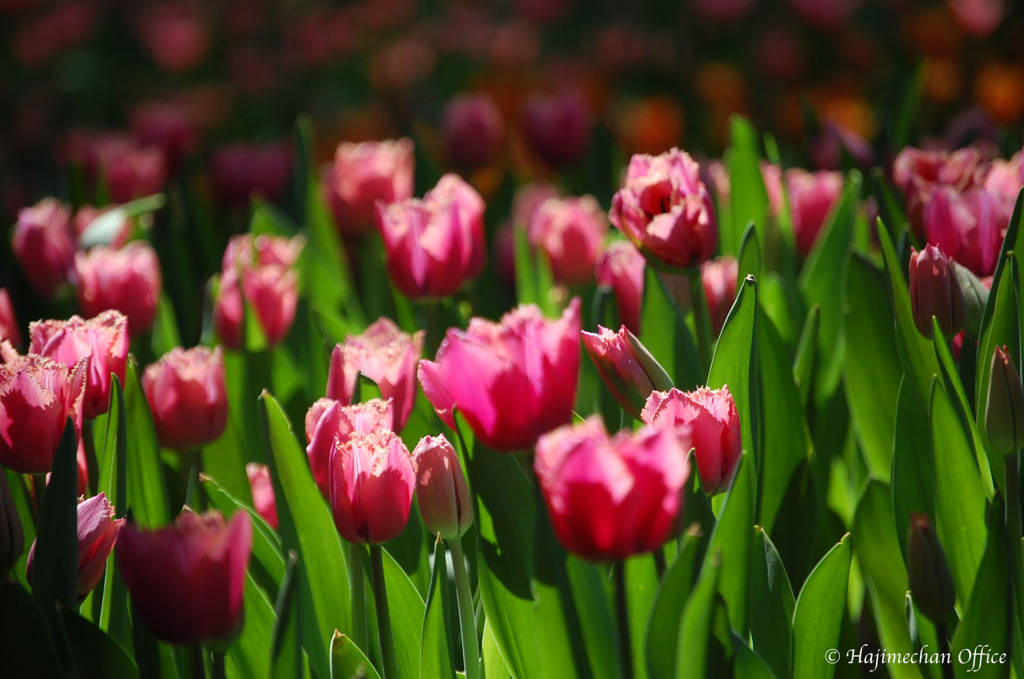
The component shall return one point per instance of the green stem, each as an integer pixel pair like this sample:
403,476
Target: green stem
193,489
467,622
701,318
219,670
198,666
1013,529
380,599
358,592
659,562
91,461
943,633
622,618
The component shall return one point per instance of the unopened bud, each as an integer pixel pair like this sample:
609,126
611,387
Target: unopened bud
1004,407
934,291
931,583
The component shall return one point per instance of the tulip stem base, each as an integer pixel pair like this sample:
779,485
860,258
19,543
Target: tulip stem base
198,664
380,599
356,580
622,618
943,634
467,621
701,319
1013,528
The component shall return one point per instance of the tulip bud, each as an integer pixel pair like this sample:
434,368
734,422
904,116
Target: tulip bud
187,396
262,492
441,491
626,367
931,583
1004,407
97,533
934,291
621,267
12,537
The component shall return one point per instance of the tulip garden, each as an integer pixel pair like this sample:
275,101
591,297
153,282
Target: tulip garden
401,340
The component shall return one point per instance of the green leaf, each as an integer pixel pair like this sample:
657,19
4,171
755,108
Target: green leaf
26,646
913,466
908,111
113,481
97,656
750,254
819,612
641,578
224,460
249,655
772,605
266,545
55,571
664,332
667,611
306,527
285,656
592,598
435,645
494,664
147,494
556,624
806,354
407,612
748,198
695,628
348,661
165,328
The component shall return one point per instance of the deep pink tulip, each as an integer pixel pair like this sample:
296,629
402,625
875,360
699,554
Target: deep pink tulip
611,498
384,354
329,422
167,125
511,381
441,492
570,231
625,366
436,244
621,267
365,173
127,280
719,278
934,291
919,173
103,339
132,171
472,131
186,580
239,171
187,396
968,226
262,492
9,329
666,211
558,127
97,533
43,245
527,200
707,421
811,197
37,395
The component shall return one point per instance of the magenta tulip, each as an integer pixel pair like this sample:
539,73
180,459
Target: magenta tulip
627,369
262,492
719,279
570,231
187,396
366,173
621,267
127,280
329,422
441,492
9,329
43,245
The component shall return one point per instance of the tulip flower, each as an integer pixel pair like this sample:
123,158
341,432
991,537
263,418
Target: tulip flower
1004,405
570,231
610,498
931,583
43,245
719,280
527,200
626,367
920,173
186,580
12,535
97,533
705,420
665,210
558,127
436,244
131,171
384,354
511,381
441,491
187,396
934,291
621,267
366,173
969,226
329,422
8,323
262,492
127,280
812,196
103,339
472,130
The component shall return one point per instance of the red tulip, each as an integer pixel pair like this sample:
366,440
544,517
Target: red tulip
570,231
384,354
666,211
43,246
969,226
511,381
187,396
621,267
611,498
262,492
9,329
329,421
186,580
627,369
127,280
719,279
436,244
705,420
368,172
934,291
472,129
441,491
102,339
97,533
37,395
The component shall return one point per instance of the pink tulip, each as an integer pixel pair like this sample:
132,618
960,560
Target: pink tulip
472,130
43,246
187,396
262,492
919,173
628,371
570,231
384,354
705,420
9,329
611,498
127,280
329,422
511,381
131,171
103,339
436,244
811,197
968,226
719,278
558,127
621,267
37,395
367,172
186,580
527,200
441,492
97,533
666,211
